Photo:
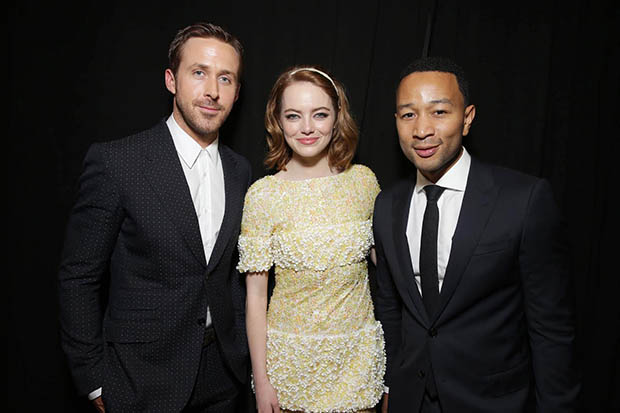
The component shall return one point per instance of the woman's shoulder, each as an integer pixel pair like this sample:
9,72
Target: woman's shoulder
361,169
363,173
262,188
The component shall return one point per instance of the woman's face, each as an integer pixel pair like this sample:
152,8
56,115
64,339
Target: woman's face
307,119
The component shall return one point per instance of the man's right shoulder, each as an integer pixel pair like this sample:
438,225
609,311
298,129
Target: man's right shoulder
129,146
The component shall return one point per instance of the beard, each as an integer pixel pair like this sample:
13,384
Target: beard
201,124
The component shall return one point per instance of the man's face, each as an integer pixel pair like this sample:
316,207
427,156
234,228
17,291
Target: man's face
431,120
204,87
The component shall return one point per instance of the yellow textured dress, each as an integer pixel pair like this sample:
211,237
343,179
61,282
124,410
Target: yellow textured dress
325,350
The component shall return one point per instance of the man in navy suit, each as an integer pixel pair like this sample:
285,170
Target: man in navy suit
474,291
156,223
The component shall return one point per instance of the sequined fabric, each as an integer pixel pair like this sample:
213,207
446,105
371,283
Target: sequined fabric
325,350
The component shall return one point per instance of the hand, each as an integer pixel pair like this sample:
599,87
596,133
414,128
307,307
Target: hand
267,398
98,403
384,406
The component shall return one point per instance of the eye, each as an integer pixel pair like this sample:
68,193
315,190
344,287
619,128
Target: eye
440,112
321,115
291,116
407,115
198,73
225,79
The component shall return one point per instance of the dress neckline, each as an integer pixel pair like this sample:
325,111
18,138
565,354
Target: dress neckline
311,179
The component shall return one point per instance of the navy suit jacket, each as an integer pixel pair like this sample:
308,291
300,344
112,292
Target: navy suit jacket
134,284
503,336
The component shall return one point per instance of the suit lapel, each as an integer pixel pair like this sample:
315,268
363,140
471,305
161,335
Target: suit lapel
400,216
234,204
480,195
166,176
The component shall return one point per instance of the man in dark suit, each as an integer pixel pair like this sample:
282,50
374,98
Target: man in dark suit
474,291
151,305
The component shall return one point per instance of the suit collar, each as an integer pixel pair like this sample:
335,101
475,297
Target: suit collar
234,204
168,181
478,202
400,215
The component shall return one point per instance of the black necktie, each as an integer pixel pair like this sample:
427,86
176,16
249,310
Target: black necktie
428,250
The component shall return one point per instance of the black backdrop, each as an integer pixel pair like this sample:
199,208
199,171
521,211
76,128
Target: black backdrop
544,78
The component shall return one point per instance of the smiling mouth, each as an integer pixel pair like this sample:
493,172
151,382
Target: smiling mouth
426,152
307,141
210,109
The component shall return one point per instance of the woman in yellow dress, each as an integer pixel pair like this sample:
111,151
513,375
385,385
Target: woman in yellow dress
316,347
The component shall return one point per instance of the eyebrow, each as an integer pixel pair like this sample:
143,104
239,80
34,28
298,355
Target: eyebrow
432,102
314,110
444,100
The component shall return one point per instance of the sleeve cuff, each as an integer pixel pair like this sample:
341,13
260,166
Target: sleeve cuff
94,394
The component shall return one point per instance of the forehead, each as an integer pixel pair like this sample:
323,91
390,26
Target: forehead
426,87
305,93
210,52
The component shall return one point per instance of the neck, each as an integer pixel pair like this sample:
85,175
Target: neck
435,176
303,167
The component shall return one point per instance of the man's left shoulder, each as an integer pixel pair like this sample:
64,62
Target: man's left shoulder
242,163
510,178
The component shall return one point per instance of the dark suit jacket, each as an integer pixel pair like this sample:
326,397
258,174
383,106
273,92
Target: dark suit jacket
504,330
133,236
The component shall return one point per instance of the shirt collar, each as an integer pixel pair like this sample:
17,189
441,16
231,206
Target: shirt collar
455,178
187,148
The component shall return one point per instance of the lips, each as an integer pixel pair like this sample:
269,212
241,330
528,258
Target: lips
307,141
426,152
210,109
208,106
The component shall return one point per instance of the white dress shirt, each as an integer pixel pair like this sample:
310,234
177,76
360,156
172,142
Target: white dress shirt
449,205
205,177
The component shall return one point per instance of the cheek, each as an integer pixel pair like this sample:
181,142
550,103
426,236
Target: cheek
326,128
289,129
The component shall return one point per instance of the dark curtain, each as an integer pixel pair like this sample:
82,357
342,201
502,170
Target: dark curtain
544,78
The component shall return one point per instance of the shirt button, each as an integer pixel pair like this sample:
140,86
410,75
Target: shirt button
432,332
421,374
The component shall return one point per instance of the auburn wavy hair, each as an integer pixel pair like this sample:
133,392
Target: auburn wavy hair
343,144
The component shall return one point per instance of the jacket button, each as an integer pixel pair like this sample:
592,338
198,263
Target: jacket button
421,374
201,321
432,332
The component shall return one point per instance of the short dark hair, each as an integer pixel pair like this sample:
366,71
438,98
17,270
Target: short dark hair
439,64
205,31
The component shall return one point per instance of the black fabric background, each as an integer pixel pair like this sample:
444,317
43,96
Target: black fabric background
544,78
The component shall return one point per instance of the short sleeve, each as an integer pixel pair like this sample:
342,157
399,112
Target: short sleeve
370,186
256,230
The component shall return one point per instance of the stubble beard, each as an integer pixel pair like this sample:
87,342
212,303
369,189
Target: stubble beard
203,126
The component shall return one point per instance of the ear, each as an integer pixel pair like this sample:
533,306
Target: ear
170,81
470,114
237,92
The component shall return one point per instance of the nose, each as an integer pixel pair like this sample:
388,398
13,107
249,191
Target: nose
307,126
212,89
423,128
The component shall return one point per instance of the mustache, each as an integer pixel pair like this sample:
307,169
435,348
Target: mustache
208,103
425,144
